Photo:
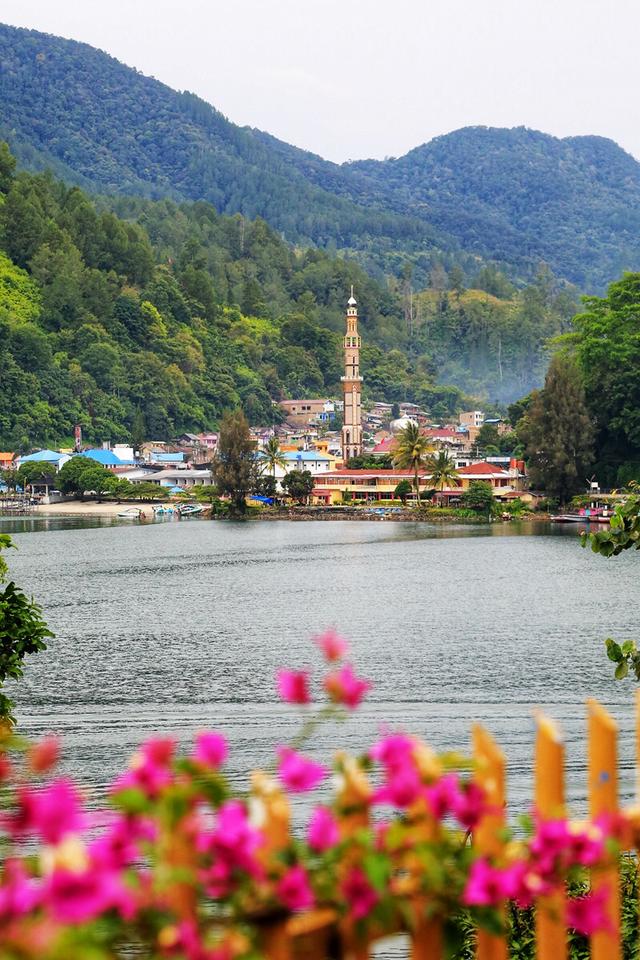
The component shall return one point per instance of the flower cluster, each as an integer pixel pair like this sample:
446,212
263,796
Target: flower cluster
181,862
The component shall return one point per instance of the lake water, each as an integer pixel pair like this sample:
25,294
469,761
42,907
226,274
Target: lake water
175,627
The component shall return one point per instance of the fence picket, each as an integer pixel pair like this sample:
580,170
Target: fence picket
603,799
551,932
353,803
490,775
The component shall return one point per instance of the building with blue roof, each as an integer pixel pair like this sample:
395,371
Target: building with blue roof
54,457
106,458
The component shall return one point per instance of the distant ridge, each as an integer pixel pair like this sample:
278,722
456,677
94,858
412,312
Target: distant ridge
515,197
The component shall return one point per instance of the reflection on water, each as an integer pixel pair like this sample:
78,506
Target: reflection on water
174,627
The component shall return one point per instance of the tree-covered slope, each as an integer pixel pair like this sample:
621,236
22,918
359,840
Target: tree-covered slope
171,314
105,126
515,197
519,196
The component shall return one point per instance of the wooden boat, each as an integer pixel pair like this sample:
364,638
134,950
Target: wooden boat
580,518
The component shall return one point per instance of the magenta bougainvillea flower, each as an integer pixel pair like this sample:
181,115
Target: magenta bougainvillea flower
358,893
323,831
293,686
588,914
294,889
297,772
344,687
333,646
210,750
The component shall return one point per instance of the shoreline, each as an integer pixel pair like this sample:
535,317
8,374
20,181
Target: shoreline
107,509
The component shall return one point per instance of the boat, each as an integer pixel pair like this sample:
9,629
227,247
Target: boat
581,518
132,513
189,509
163,510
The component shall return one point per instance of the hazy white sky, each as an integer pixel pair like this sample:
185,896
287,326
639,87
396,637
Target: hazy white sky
371,78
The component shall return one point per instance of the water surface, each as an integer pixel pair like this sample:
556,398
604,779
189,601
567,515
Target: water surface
180,626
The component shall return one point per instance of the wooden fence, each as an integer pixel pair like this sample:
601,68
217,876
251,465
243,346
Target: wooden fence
322,935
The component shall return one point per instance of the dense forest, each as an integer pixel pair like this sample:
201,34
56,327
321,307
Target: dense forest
127,310
515,198
172,315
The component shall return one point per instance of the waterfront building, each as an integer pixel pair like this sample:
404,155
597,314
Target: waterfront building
352,385
54,457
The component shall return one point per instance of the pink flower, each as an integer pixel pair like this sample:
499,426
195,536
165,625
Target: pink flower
44,755
359,894
298,773
469,804
344,687
232,845
585,846
293,686
393,751
323,831
120,846
488,886
52,812
443,796
19,893
150,768
402,788
589,914
294,889
211,750
332,645
75,897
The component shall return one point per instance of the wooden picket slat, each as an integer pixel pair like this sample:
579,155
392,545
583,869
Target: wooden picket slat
353,806
603,799
487,837
551,932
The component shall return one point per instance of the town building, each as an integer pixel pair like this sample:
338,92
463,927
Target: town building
300,413
352,385
54,457
340,486
471,418
6,461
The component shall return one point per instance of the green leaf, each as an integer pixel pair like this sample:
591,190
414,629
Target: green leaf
614,650
628,647
622,670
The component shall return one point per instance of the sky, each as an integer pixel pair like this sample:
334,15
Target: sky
349,79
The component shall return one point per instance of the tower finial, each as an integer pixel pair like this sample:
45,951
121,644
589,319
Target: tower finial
352,300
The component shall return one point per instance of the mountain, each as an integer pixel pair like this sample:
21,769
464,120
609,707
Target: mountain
511,197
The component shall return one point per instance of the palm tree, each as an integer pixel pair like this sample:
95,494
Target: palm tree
442,469
410,452
271,456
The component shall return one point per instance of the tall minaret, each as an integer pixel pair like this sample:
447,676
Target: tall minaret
352,386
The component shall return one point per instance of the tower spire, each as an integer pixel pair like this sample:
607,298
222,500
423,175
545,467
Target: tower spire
352,385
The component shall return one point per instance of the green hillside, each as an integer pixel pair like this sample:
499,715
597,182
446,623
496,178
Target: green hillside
105,322
510,197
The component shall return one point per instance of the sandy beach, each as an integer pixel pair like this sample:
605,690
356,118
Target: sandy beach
87,508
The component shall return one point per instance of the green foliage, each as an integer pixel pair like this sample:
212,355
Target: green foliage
22,631
442,469
234,466
478,497
367,461
558,432
402,491
81,475
607,349
410,453
298,484
92,331
512,197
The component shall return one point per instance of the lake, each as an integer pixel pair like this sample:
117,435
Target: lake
175,627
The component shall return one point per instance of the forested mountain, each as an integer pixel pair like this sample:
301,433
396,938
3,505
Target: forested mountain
162,321
164,315
511,197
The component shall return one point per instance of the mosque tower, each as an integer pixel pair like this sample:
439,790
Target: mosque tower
352,385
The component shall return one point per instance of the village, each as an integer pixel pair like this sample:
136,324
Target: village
347,453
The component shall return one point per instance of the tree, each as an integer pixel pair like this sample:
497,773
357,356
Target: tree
442,468
32,472
299,485
234,466
271,457
402,490
558,432
22,631
81,475
478,496
266,487
488,436
410,453
9,478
